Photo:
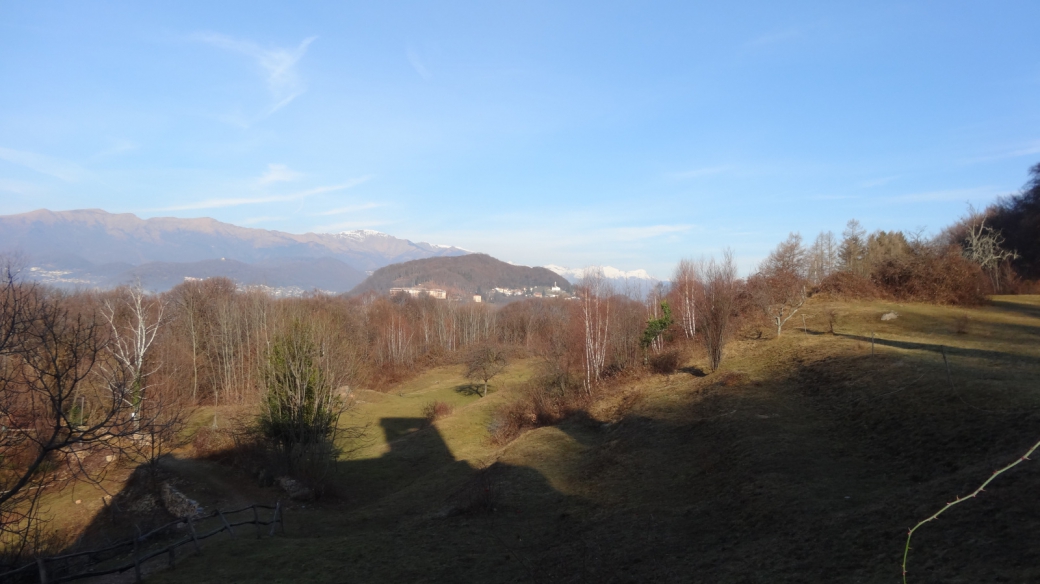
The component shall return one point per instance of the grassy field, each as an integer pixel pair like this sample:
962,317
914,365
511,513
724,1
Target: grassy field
804,459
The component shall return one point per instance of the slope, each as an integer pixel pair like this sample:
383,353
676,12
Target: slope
804,459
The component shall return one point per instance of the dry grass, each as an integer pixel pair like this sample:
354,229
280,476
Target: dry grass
802,459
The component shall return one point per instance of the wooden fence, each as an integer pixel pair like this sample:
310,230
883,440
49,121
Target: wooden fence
79,565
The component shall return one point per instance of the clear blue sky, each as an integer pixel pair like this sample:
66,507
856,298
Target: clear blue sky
629,134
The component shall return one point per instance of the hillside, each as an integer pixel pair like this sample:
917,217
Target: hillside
470,274
804,460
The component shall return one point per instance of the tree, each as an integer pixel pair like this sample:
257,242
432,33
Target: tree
853,250
300,410
822,258
656,326
715,300
594,296
779,286
684,289
133,320
52,413
984,246
484,363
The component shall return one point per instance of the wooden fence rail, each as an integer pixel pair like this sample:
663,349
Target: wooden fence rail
63,564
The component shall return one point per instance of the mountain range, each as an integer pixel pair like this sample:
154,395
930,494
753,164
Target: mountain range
92,247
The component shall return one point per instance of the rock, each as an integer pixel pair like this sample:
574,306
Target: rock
178,504
295,489
890,316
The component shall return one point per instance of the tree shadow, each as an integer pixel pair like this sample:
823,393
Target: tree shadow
694,371
471,389
1023,309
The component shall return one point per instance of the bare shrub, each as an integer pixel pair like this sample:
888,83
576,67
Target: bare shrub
436,410
537,406
666,363
715,303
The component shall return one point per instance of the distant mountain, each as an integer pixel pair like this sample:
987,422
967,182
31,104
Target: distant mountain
94,248
469,274
635,283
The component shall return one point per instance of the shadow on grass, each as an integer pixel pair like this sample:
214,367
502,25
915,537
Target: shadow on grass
471,389
1029,310
950,350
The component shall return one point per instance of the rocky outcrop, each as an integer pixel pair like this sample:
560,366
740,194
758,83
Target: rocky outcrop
178,504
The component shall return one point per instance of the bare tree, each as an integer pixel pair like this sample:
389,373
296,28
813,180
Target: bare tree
715,303
133,319
684,289
853,250
594,295
822,257
484,363
51,414
779,286
983,245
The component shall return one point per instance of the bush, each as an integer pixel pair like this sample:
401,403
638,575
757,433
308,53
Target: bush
536,407
665,363
436,410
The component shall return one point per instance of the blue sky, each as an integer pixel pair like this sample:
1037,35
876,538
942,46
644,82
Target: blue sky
629,134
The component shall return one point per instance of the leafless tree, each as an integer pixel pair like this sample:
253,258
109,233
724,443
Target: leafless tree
133,319
484,362
594,295
983,245
779,286
52,416
684,289
853,250
822,257
715,304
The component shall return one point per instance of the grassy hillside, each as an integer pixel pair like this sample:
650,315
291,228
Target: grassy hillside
804,459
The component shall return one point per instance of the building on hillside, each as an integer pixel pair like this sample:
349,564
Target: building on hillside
477,298
432,292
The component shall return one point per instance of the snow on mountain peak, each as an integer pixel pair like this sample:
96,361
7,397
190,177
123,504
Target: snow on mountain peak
361,234
609,272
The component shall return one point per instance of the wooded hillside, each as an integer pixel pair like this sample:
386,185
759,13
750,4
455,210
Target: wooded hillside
472,274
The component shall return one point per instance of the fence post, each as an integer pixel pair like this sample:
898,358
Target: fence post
274,518
256,520
872,344
41,566
137,561
805,329
226,524
194,538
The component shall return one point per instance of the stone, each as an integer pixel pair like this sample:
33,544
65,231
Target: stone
890,316
178,504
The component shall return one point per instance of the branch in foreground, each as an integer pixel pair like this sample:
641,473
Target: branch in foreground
996,473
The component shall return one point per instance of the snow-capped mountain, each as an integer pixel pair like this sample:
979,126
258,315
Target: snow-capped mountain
92,247
610,273
634,283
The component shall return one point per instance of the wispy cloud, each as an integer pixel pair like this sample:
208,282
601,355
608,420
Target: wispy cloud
239,201
1014,152
351,209
699,172
947,195
277,64
877,182
278,173
417,64
255,220
61,169
349,226
19,187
